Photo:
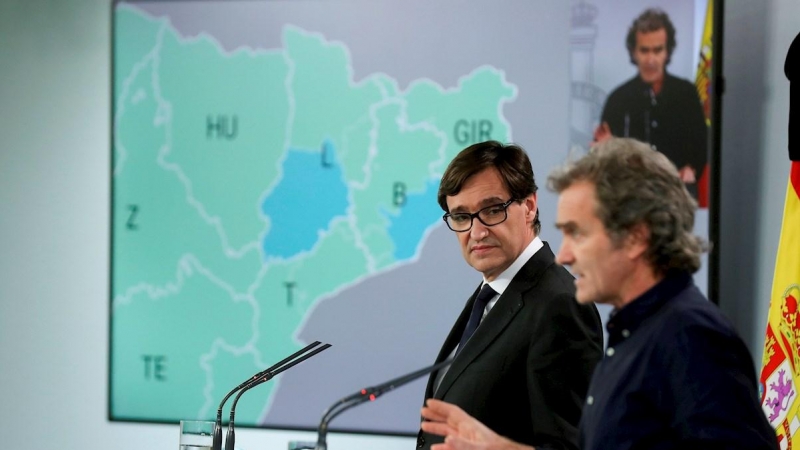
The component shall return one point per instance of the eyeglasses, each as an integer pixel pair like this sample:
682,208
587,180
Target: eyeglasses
489,216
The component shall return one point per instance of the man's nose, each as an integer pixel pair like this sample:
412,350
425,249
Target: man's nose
478,230
564,256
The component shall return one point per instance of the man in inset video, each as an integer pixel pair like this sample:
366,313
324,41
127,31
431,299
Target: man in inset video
655,106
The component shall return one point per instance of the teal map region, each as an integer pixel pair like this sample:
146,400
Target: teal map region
249,184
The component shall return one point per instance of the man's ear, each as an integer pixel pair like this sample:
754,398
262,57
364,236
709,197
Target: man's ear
531,202
637,241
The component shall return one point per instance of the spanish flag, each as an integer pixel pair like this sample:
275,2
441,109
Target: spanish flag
702,82
780,373
702,79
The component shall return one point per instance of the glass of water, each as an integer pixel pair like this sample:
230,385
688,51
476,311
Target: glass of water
196,435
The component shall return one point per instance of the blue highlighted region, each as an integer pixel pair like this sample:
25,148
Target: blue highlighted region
418,213
303,203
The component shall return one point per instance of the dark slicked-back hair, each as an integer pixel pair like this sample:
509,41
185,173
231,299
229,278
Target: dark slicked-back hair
635,184
650,20
511,162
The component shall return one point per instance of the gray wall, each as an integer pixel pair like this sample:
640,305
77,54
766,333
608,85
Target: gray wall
54,197
755,159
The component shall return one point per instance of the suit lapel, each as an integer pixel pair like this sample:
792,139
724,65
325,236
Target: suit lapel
498,319
452,339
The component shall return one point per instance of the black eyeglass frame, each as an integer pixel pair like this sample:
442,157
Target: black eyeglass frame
476,215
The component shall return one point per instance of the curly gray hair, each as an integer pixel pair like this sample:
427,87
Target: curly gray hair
638,185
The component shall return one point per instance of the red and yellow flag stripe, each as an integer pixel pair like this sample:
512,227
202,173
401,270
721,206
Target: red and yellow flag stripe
702,82
780,373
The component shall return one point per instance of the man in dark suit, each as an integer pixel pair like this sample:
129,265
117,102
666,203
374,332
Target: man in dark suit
526,369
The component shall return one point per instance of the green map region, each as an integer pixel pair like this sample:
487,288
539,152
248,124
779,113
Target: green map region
250,183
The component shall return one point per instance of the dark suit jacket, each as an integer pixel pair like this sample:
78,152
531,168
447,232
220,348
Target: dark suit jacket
526,370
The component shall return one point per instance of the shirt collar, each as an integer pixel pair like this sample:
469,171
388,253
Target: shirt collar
642,84
502,281
623,322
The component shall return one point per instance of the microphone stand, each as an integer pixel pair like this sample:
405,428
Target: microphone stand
263,378
217,442
368,394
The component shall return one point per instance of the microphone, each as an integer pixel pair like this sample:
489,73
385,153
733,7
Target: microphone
217,443
368,394
263,378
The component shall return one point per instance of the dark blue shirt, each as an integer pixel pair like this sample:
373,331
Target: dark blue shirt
675,375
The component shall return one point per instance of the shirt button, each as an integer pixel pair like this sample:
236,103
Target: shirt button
589,400
626,333
655,124
610,351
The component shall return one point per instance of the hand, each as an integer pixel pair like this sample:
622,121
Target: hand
602,133
462,431
687,175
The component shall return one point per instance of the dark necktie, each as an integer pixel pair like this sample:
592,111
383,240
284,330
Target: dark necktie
475,316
